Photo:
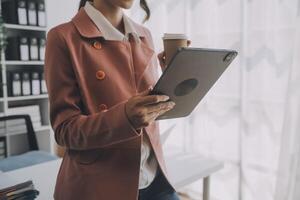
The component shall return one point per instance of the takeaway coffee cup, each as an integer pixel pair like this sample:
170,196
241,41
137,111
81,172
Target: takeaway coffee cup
172,41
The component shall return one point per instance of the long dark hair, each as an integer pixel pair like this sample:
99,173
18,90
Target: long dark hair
143,4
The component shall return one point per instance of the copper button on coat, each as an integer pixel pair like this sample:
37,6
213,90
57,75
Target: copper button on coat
100,74
97,45
102,107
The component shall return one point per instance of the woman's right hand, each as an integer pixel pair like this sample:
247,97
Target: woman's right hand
143,108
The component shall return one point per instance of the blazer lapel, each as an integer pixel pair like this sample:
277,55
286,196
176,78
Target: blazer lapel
142,55
142,50
85,25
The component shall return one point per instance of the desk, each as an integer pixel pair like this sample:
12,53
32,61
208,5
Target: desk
183,169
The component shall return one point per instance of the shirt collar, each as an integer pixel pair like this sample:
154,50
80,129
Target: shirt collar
108,30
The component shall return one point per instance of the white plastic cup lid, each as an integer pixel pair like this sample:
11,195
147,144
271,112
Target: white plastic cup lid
174,36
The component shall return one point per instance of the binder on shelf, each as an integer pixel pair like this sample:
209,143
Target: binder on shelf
42,45
32,13
17,48
23,48
34,49
35,83
15,12
22,12
43,83
14,84
25,84
41,14
12,52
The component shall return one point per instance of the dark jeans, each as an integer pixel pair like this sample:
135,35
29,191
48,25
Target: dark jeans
159,189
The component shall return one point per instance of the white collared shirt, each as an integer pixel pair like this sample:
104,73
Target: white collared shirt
149,163
108,30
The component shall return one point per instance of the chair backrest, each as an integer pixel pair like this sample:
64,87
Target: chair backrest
31,137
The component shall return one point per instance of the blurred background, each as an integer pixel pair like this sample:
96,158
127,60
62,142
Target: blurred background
250,120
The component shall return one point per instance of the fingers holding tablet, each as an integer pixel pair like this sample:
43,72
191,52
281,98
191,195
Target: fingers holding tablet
143,108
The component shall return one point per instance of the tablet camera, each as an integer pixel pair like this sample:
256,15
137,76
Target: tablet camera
229,57
186,87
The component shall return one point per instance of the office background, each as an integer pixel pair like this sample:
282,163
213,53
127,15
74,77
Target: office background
250,119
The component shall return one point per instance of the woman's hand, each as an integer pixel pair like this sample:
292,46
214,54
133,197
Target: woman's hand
162,57
143,109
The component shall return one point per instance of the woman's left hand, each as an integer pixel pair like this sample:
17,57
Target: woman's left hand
162,56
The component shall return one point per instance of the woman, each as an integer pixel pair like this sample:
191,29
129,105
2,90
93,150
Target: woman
99,67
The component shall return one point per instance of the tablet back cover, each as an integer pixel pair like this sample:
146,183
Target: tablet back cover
189,76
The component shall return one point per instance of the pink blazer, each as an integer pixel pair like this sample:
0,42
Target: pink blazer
89,79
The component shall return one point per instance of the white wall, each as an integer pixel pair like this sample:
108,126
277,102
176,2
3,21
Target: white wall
60,11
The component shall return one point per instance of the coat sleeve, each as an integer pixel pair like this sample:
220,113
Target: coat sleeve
72,128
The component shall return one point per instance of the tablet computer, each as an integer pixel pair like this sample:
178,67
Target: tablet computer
189,76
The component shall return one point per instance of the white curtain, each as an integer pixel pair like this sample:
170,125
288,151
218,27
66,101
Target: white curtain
250,120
